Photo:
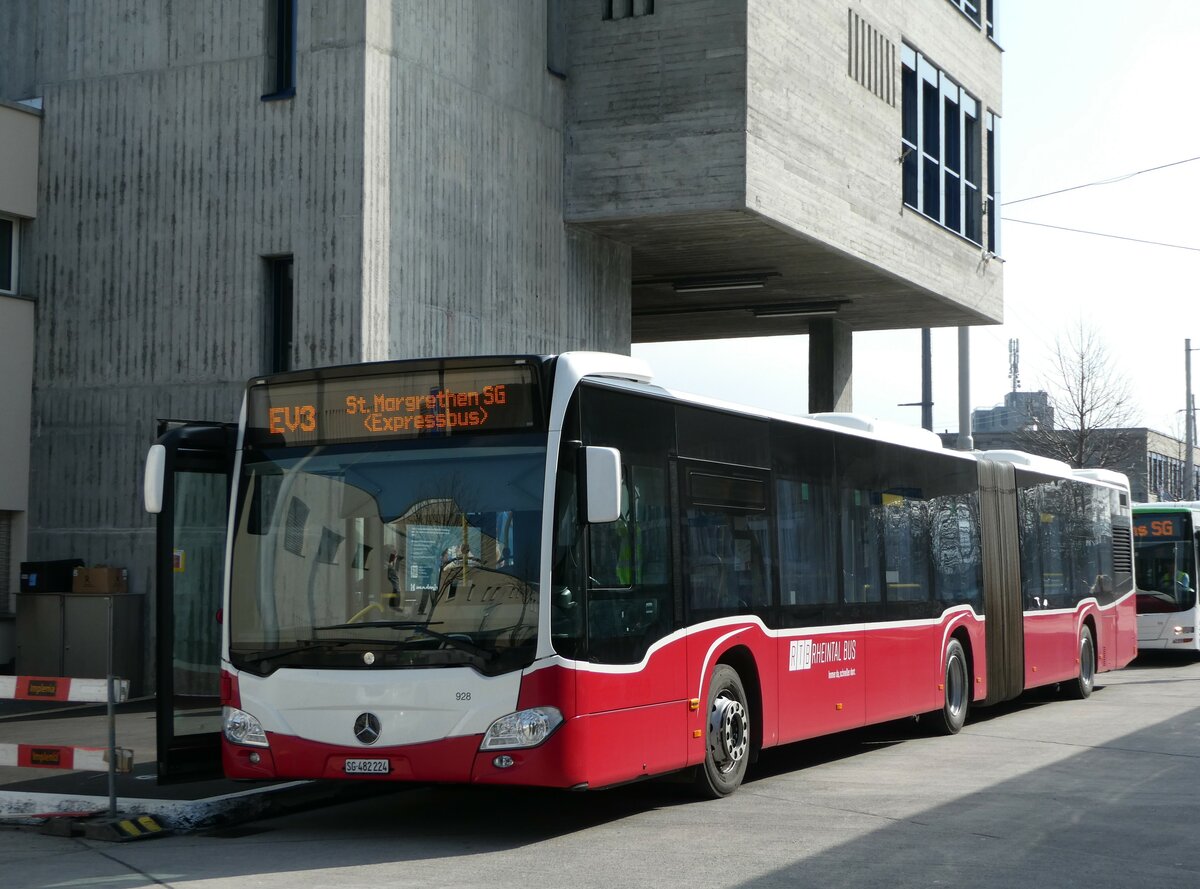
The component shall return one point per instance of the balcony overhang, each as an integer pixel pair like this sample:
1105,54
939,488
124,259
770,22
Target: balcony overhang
713,275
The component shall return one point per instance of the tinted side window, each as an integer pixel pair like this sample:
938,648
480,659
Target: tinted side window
806,521
726,438
1066,542
910,529
629,601
727,552
1045,565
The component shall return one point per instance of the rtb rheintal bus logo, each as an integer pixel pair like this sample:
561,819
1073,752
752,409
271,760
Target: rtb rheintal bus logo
803,654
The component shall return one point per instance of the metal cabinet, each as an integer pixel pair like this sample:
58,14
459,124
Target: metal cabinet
66,634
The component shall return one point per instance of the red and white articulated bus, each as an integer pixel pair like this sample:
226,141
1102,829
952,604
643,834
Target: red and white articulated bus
550,571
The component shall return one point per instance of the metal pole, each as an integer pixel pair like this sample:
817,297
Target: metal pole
112,721
926,380
1188,491
965,442
1192,423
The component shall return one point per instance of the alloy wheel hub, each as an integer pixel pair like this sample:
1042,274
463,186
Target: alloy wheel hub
729,737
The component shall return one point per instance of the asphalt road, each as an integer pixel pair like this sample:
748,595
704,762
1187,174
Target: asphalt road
1042,792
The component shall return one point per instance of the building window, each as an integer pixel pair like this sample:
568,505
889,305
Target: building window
970,9
556,38
625,9
941,147
8,254
280,34
279,313
993,183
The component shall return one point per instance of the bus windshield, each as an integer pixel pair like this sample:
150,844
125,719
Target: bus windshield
1165,563
392,555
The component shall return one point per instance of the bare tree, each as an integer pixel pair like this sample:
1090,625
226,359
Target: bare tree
1092,402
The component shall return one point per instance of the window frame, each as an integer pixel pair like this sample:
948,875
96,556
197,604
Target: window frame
279,331
280,49
941,171
13,286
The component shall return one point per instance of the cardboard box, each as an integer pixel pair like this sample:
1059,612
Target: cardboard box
48,577
100,580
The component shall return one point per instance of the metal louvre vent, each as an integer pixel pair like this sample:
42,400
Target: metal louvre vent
872,59
1122,548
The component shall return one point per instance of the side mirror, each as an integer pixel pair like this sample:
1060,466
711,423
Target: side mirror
152,483
602,469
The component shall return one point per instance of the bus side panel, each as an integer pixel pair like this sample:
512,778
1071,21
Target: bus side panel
1121,643
904,669
634,717
636,742
1106,632
818,694
1126,643
658,679
1051,647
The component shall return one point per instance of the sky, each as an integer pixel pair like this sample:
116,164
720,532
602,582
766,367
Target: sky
1093,91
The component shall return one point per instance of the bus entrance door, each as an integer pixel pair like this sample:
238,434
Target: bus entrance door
187,479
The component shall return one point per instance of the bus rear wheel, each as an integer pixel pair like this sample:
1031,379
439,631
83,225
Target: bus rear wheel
1086,681
726,736
957,687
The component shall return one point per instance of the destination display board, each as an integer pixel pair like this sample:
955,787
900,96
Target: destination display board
1160,526
428,403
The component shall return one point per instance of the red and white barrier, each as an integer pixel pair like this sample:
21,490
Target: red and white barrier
53,688
50,756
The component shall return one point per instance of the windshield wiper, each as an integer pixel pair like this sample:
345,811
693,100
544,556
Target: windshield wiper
268,654
420,627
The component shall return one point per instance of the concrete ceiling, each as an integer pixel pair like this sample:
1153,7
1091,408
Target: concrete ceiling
740,251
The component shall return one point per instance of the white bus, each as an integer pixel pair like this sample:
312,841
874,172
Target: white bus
1165,540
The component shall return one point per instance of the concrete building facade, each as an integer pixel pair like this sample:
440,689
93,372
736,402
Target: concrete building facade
20,129
241,186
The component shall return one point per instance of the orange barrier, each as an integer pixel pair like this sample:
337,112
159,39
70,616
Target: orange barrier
55,688
50,756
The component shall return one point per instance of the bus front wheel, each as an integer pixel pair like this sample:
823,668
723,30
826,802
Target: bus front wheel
727,735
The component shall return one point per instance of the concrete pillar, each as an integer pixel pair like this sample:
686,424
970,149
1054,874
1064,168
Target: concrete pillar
830,366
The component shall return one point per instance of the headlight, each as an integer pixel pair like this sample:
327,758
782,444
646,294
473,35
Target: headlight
242,728
525,728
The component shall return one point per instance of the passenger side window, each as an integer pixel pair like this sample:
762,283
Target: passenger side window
630,602
727,541
957,553
910,530
807,560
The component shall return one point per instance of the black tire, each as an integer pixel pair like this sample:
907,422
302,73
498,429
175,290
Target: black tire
1086,680
957,688
726,736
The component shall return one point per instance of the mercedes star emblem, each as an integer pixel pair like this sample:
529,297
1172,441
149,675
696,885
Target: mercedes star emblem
367,728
